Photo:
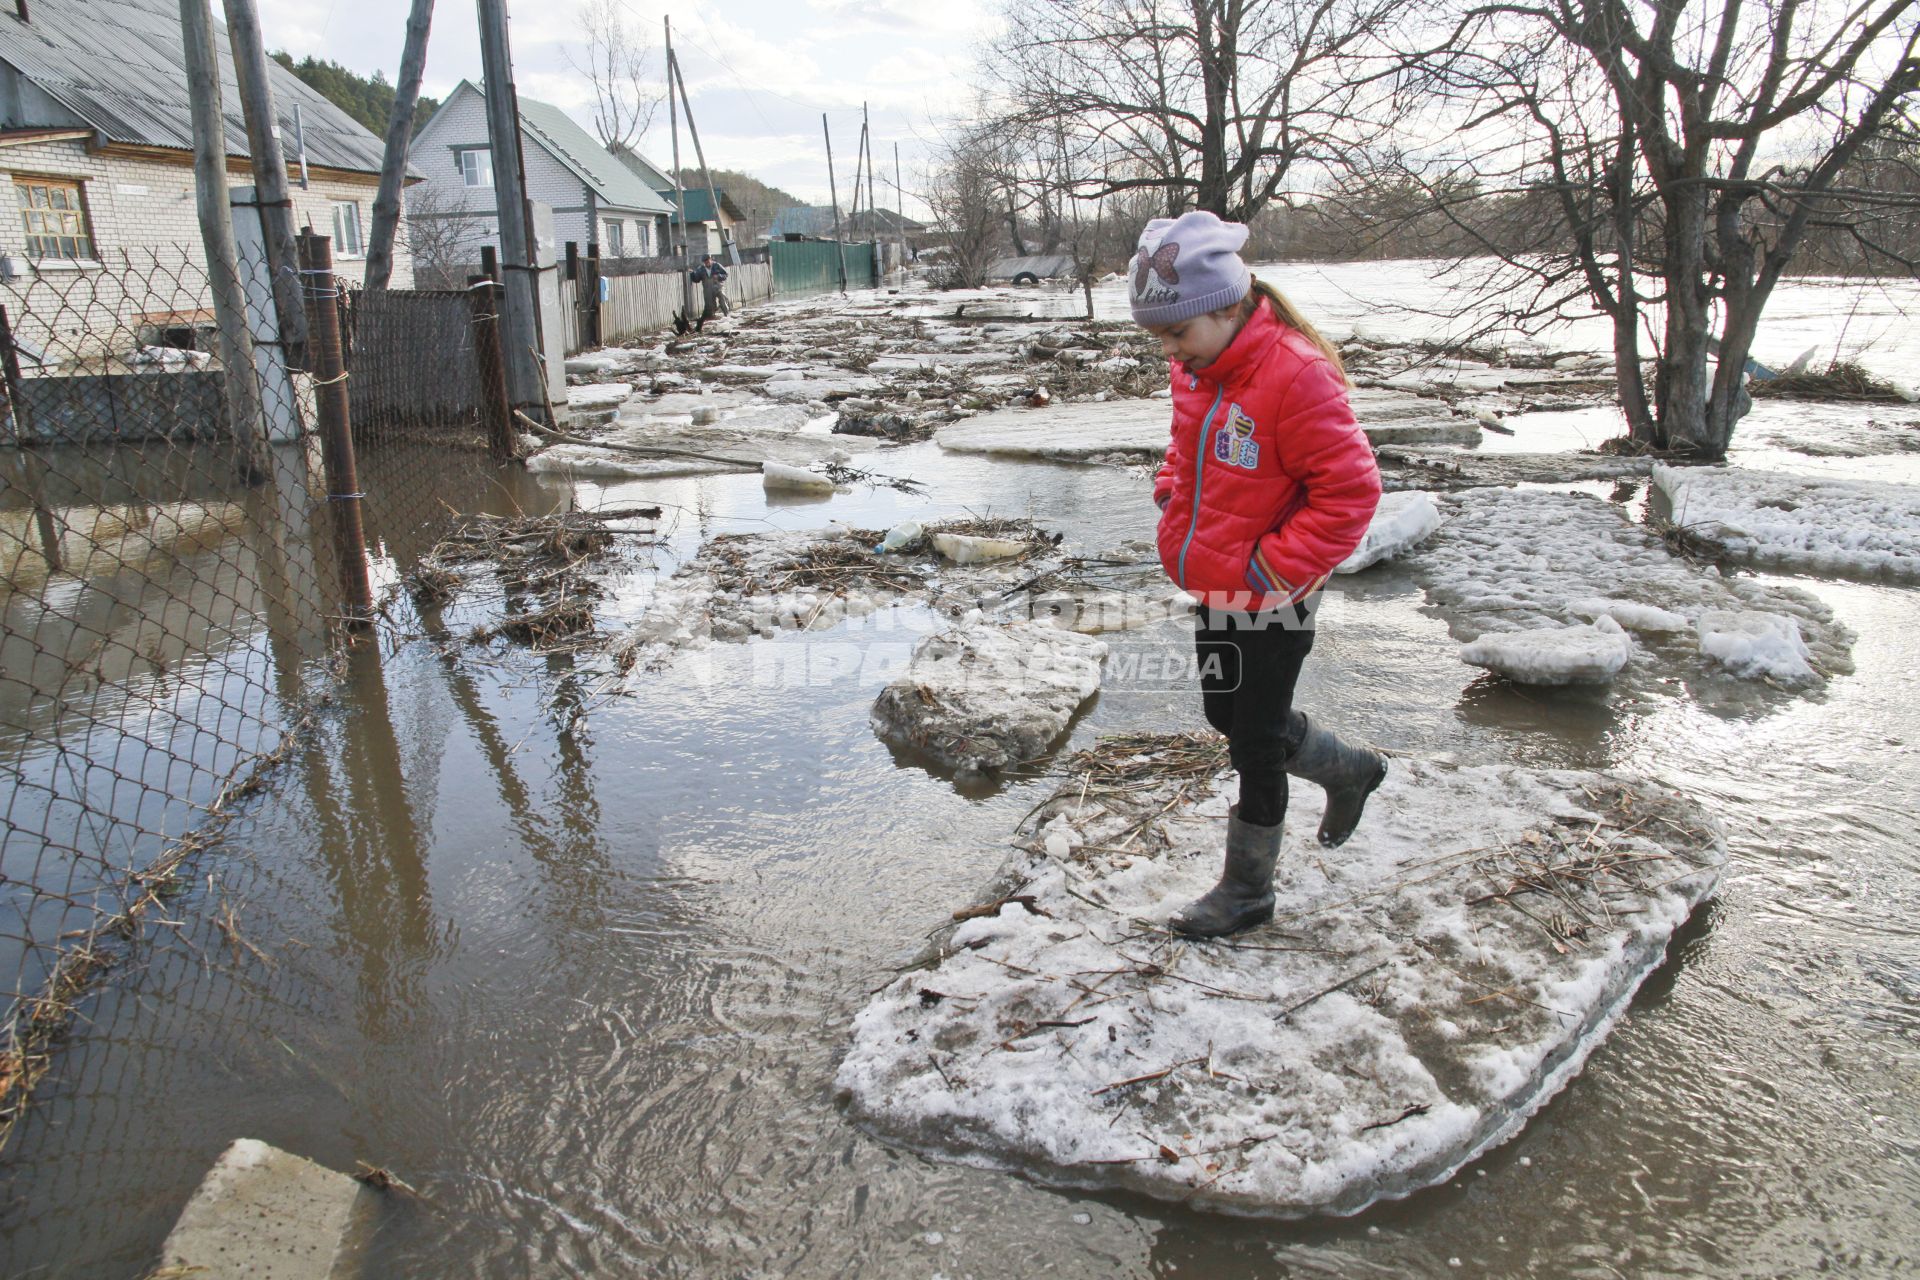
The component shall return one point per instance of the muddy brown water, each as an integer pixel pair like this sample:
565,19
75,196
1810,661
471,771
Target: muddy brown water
583,981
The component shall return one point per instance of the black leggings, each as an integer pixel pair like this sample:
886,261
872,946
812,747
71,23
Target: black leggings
1249,664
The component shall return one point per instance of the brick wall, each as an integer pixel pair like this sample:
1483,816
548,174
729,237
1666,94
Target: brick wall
147,247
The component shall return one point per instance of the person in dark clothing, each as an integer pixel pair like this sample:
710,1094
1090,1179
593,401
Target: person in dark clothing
711,276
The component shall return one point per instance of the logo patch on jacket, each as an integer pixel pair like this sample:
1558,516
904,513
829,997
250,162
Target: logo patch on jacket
1235,445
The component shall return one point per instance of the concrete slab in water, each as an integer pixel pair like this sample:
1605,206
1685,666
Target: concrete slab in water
263,1214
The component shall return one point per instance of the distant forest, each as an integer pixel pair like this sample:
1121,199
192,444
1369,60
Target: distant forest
758,201
368,101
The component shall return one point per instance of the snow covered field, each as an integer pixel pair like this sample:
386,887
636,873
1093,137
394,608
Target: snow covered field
1418,994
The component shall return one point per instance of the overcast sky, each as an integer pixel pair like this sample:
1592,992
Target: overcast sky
759,72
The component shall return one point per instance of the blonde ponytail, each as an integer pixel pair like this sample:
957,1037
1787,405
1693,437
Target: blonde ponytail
1292,318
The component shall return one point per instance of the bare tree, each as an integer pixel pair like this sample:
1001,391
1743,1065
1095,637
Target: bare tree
614,62
966,192
1215,103
1680,160
437,234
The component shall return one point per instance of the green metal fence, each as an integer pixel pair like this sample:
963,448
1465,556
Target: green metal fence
810,266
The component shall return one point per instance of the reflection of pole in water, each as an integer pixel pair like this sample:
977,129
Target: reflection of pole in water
27,473
370,839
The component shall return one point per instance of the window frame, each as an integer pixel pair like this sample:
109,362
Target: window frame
82,213
359,249
485,155
615,230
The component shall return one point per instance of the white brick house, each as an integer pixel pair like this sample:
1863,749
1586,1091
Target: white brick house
96,159
595,199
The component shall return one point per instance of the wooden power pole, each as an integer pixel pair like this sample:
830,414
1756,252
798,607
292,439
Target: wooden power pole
519,319
271,191
216,235
685,319
393,165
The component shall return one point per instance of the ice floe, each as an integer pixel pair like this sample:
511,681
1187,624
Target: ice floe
1858,528
1755,644
1414,1000
1402,520
1514,560
1588,654
1065,432
593,396
987,695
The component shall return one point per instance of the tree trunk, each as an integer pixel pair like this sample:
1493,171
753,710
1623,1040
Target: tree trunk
1681,388
1212,194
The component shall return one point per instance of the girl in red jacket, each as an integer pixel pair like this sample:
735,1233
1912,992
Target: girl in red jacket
1268,484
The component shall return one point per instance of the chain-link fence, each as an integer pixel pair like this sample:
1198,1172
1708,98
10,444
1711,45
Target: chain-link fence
172,588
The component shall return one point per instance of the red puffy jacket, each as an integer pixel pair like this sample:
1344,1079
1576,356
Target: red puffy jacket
1268,483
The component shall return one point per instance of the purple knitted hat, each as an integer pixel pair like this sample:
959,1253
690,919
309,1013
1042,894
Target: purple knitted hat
1186,267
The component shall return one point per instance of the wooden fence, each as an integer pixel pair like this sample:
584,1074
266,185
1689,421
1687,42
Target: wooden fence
640,304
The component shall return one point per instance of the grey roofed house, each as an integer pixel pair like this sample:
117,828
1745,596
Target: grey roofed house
595,198
96,152
116,68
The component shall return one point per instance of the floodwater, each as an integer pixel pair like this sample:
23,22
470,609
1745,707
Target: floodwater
578,965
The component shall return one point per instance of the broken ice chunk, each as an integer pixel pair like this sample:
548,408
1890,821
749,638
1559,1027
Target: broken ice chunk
1752,644
1554,655
1402,520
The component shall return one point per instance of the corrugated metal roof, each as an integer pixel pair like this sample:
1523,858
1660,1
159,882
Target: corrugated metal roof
117,66
612,182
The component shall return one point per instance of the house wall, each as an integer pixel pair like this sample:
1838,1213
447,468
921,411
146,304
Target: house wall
149,258
462,124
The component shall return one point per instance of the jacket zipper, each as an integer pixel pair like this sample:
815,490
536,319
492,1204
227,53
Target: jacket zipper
1199,477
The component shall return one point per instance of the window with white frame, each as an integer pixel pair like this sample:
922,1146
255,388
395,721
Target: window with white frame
476,167
615,245
643,241
56,218
346,229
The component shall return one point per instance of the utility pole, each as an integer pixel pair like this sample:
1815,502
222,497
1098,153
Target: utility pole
713,197
899,211
216,235
393,166
839,249
519,328
873,210
271,193
679,192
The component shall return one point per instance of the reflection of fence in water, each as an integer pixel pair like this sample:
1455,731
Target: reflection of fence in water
168,598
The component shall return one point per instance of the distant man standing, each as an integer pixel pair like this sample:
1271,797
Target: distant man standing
712,276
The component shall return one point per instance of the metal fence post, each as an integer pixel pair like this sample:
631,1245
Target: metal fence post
496,409
336,431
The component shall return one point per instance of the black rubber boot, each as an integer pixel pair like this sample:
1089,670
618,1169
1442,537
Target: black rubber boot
1348,774
1244,896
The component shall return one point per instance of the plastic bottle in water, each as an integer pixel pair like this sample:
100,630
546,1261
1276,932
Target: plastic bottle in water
902,536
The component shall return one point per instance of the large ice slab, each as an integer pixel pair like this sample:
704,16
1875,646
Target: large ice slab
1066,432
989,695
1478,937
1860,528
1514,560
